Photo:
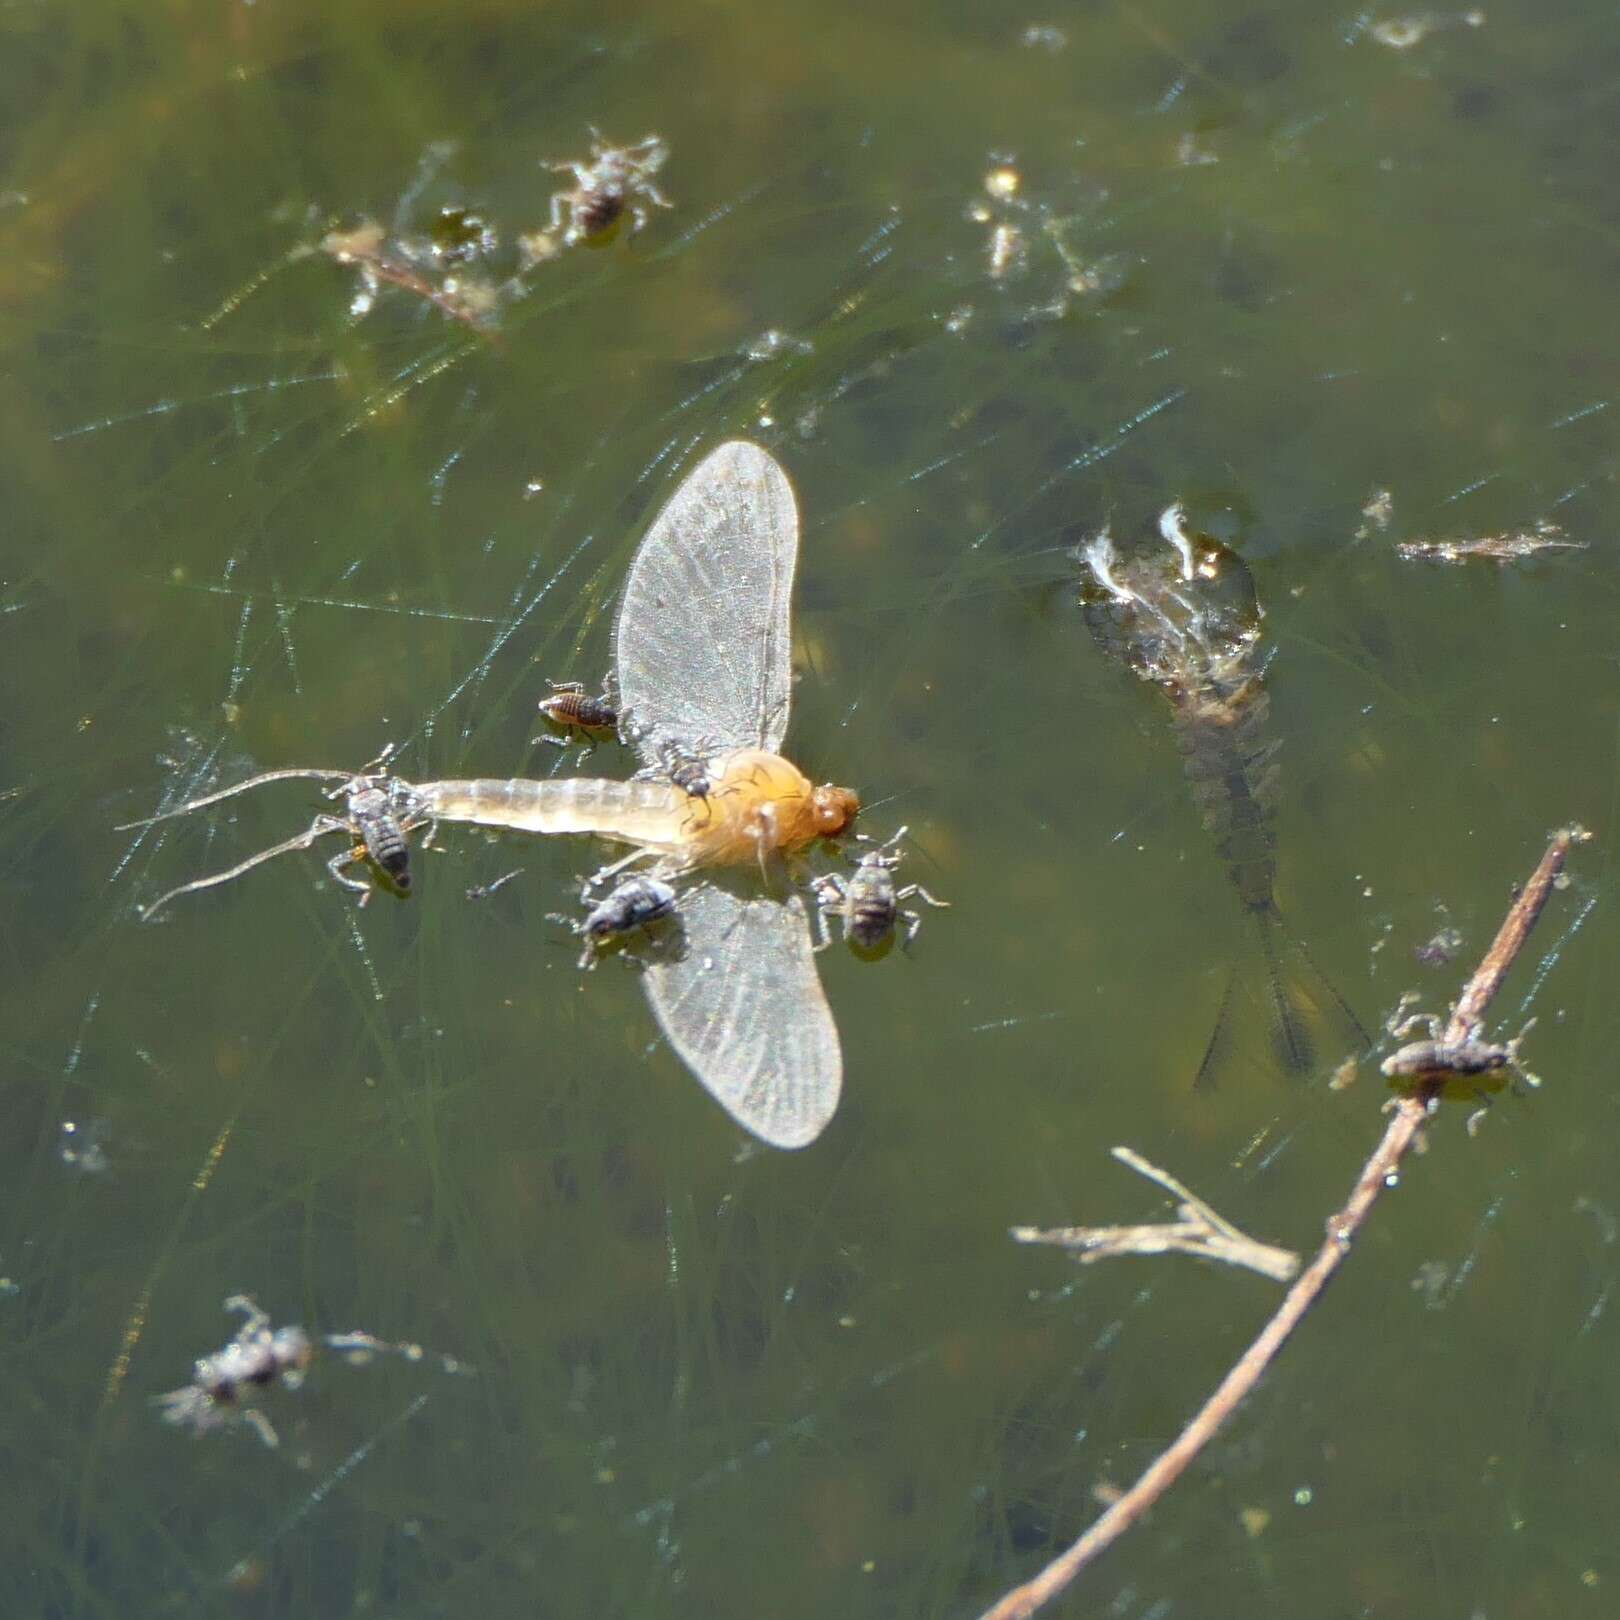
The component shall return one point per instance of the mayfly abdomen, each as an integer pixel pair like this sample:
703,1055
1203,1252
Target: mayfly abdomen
634,812
1229,764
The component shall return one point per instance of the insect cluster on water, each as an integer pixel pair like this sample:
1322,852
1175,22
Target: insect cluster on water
616,179
867,903
634,903
702,687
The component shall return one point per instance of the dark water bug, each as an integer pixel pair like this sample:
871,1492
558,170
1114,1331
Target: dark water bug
1436,1060
616,180
868,903
375,816
688,771
634,903
577,714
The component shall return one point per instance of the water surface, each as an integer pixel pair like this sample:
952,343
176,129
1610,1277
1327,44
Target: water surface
243,529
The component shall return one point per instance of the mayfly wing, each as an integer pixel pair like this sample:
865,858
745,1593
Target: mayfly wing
744,1009
703,646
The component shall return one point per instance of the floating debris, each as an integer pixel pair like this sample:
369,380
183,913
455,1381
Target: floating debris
458,236
471,300
1402,33
1043,37
82,1148
773,343
1086,277
1003,182
1440,949
1378,512
1006,248
1190,154
482,891
1510,546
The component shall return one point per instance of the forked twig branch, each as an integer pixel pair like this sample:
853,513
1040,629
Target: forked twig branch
1197,1230
1407,1118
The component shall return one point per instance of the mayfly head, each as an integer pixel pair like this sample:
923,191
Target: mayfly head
834,808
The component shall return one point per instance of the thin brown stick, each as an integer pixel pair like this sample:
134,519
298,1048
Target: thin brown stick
1380,1171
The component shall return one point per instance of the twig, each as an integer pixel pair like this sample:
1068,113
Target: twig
1406,1123
1198,1231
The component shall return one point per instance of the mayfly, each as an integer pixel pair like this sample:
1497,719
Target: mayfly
1186,619
702,653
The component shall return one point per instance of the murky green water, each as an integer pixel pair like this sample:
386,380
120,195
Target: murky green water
243,530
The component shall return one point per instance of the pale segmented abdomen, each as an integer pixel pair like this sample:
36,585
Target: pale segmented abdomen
634,812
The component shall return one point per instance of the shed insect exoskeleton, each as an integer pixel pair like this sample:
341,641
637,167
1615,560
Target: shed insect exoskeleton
615,180
868,903
221,1383
631,904
224,1384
